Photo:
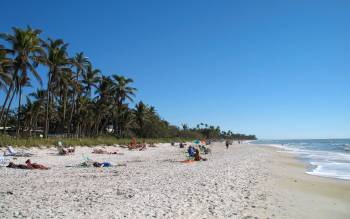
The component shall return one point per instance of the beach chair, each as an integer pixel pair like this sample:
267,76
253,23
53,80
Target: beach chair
188,157
12,152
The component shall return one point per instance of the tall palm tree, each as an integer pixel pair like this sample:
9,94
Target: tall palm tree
81,62
90,79
57,61
122,91
26,46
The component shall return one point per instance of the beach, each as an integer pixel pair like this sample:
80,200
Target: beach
244,181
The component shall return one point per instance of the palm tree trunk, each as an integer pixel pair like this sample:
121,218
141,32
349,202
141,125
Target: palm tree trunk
8,94
19,111
71,114
30,125
7,111
64,110
47,106
5,102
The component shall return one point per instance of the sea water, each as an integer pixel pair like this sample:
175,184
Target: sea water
328,157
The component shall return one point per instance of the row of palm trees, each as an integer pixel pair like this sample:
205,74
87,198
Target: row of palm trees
67,105
78,100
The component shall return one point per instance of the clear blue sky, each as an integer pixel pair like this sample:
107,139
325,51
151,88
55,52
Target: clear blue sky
277,69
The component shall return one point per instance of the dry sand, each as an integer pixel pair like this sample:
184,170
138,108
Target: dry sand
245,181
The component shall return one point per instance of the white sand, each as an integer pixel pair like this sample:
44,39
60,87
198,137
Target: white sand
235,183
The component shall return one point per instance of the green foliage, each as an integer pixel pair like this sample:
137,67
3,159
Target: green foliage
6,140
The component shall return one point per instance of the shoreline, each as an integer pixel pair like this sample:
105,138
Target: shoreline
312,167
312,196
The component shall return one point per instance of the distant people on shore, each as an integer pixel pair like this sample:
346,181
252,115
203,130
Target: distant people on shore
227,143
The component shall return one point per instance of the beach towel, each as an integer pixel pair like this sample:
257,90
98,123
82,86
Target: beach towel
103,164
187,161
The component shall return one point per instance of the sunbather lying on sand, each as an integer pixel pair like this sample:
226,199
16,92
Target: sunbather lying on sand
133,145
103,164
65,151
101,151
17,166
29,165
36,165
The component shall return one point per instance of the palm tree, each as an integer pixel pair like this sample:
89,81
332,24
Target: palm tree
24,81
66,83
57,61
90,79
125,120
26,46
81,62
39,98
122,92
104,103
141,116
184,126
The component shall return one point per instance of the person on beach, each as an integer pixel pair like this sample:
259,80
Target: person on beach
29,166
197,156
101,151
66,151
36,165
103,164
17,166
143,146
133,142
227,144
191,151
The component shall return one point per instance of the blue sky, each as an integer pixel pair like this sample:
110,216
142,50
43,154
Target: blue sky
277,69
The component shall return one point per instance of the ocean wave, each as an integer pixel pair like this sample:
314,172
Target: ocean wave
333,170
329,159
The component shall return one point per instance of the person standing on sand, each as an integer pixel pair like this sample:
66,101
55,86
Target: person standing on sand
227,144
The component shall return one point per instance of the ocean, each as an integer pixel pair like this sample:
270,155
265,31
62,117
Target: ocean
327,157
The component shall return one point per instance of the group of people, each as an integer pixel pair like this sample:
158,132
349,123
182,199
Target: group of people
194,152
64,150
